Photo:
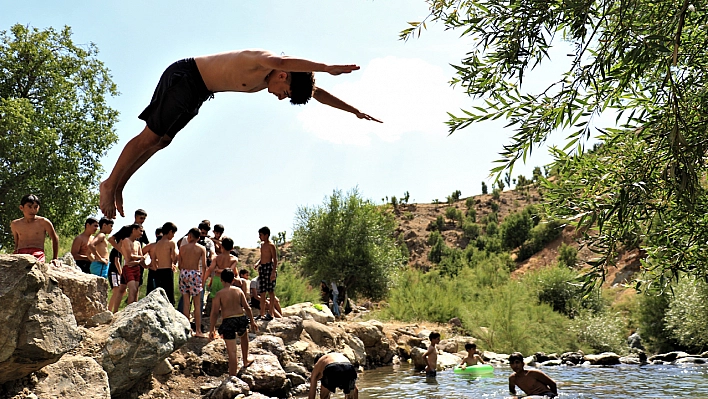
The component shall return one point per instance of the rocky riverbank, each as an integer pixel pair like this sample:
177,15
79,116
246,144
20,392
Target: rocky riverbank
58,340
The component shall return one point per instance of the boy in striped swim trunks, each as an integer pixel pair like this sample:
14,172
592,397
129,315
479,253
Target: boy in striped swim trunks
191,276
236,318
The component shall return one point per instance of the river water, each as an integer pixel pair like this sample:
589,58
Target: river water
623,381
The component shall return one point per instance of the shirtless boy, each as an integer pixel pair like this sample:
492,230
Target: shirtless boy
191,276
30,231
335,371
472,356
218,233
236,316
187,84
99,248
149,250
133,254
267,271
80,247
532,382
431,356
164,260
225,260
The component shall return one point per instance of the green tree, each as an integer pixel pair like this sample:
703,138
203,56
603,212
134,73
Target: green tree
515,228
348,239
484,188
642,61
55,125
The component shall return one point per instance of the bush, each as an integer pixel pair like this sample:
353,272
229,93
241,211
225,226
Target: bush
405,252
496,193
394,201
558,287
652,308
470,229
472,214
687,316
567,255
495,206
539,236
437,247
484,188
602,332
293,287
515,229
454,214
488,243
491,229
470,202
452,262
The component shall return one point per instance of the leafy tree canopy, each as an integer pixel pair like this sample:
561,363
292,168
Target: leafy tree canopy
349,240
641,60
54,125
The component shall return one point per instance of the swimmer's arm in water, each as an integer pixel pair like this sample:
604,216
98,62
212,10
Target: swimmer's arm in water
327,99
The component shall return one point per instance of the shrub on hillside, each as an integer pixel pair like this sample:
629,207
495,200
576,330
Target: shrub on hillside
440,223
405,252
472,214
496,193
567,255
488,243
515,229
470,229
558,287
539,236
602,332
653,306
687,315
470,202
437,247
491,229
293,287
452,262
454,214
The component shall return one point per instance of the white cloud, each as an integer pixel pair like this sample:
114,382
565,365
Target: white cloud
408,95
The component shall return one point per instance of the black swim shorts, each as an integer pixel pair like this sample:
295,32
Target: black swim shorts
339,375
177,98
264,282
232,326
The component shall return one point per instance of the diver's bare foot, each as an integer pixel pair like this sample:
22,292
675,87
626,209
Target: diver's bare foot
200,334
119,200
107,200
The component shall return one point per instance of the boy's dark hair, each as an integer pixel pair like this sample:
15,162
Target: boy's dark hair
516,356
141,212
104,222
29,198
227,243
158,231
227,275
90,221
470,346
134,226
242,272
434,335
169,226
123,233
194,232
207,221
302,84
264,230
204,226
218,228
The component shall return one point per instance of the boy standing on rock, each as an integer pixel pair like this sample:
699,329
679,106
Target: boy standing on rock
99,248
532,382
431,356
30,230
192,271
80,247
236,317
133,254
267,271
165,260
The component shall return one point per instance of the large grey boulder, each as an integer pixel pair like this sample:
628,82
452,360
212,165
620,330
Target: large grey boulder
215,359
88,293
287,328
269,344
603,359
37,325
378,349
140,337
309,311
265,375
229,389
73,375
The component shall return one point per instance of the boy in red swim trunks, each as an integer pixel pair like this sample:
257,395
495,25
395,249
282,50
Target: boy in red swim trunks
133,253
30,231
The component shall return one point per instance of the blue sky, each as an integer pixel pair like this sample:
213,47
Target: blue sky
249,160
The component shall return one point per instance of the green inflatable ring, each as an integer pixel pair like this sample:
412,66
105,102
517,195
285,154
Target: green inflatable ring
477,369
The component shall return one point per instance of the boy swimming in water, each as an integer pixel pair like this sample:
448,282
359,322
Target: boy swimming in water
472,356
532,382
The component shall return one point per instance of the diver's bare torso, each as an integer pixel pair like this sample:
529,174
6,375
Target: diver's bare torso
239,70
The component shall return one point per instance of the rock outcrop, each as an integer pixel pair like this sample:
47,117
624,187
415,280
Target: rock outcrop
73,375
265,375
140,337
287,328
88,293
377,346
309,311
37,325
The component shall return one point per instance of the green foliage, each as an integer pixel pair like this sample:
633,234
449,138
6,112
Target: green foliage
405,252
406,197
494,206
539,236
489,243
484,188
440,223
567,255
470,229
470,202
602,332
496,193
559,288
515,229
492,228
293,287
452,262
55,125
437,246
472,214
454,214
394,201
687,315
348,239
652,307
537,174
641,60
408,215
454,197
522,182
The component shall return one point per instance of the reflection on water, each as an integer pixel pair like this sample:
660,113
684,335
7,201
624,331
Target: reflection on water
625,381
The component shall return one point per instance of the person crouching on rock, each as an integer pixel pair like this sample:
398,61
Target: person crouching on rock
335,371
236,317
